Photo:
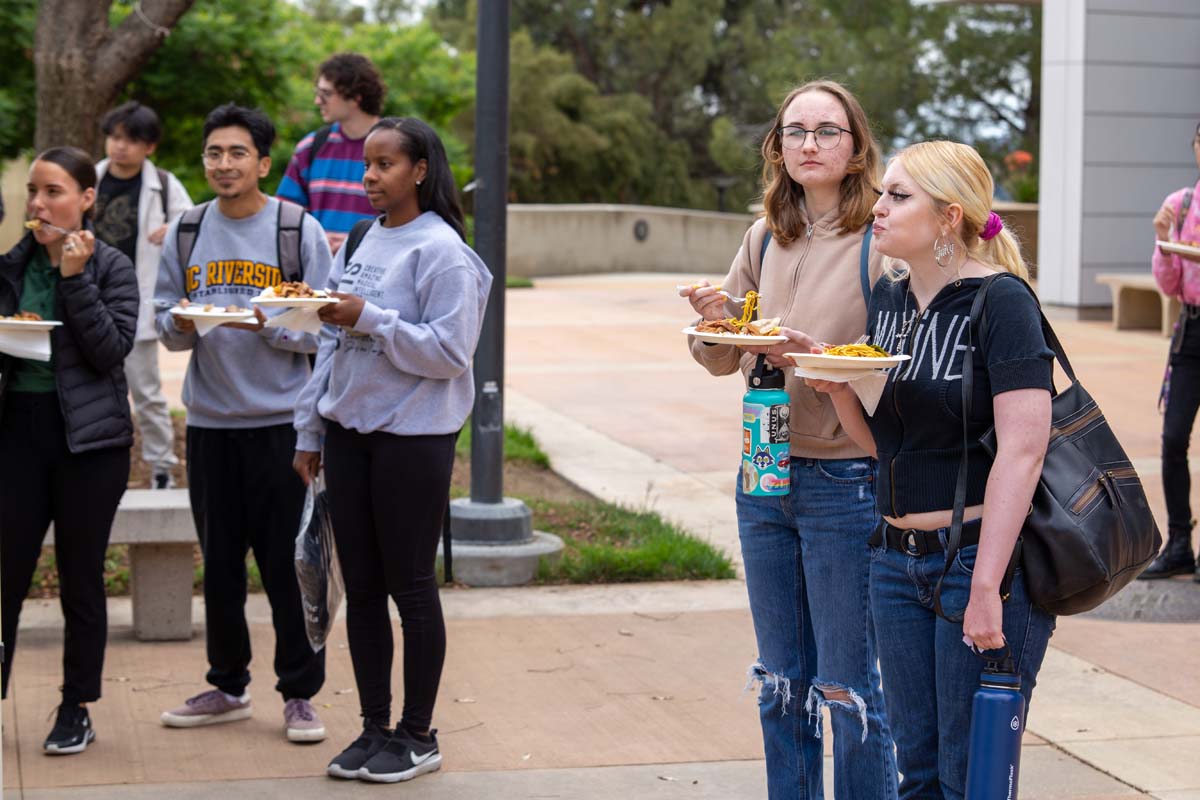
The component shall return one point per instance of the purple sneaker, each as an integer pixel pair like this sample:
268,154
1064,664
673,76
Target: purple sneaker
301,721
207,708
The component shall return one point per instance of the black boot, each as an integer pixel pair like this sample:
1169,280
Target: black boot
1175,559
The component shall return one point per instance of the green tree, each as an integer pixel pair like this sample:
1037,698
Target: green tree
920,69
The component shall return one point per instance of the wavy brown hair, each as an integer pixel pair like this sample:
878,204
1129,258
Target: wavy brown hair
783,198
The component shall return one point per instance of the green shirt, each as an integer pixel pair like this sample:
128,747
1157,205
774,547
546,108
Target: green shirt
37,295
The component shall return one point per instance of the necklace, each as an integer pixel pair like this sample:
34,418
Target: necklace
900,339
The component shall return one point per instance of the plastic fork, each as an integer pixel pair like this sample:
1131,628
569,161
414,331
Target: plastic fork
680,287
43,224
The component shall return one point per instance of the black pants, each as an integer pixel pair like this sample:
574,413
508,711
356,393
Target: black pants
244,495
42,481
387,498
1183,401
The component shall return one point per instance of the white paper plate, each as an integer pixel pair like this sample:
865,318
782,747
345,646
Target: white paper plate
1179,249
28,325
823,361
734,338
198,312
293,302
835,375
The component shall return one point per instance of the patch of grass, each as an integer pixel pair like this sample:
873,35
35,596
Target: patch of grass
179,413
517,282
606,543
519,445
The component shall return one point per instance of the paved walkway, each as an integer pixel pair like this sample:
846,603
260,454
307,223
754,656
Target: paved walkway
619,691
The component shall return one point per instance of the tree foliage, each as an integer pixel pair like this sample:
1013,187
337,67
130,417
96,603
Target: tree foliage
712,71
629,101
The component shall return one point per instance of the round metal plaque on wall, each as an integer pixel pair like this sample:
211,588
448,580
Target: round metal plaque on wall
641,230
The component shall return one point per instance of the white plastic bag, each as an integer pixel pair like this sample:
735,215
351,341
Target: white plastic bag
317,569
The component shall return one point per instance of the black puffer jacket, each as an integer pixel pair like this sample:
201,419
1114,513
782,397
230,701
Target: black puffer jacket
99,309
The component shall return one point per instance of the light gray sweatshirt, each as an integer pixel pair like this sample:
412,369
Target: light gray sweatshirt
238,378
405,368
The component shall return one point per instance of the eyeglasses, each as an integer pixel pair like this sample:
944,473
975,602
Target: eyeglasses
214,157
324,94
827,137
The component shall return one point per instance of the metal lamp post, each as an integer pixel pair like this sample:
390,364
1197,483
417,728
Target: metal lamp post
494,540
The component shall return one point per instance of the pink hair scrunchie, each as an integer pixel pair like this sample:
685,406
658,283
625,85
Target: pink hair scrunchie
992,227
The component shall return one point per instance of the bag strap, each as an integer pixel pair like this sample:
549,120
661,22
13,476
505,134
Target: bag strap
188,230
762,254
319,140
356,236
975,333
287,240
164,181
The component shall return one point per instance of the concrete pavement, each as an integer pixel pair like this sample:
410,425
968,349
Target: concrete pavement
605,692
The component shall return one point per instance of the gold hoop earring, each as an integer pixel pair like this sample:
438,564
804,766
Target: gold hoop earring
943,250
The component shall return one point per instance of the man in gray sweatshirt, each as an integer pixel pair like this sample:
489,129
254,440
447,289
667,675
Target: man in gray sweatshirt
240,392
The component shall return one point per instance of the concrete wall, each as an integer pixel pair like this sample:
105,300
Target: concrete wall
580,239
1120,102
577,239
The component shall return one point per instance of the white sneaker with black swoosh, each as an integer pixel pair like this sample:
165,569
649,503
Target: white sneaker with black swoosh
403,758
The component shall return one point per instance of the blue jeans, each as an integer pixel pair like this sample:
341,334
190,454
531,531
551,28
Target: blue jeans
807,565
929,674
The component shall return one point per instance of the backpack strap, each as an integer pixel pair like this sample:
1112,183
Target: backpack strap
188,230
1184,204
163,178
864,271
762,254
287,240
319,140
356,236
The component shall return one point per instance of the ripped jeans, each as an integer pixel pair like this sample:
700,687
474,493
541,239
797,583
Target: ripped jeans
807,564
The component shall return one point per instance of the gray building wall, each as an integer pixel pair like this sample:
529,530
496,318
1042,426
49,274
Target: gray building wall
1120,102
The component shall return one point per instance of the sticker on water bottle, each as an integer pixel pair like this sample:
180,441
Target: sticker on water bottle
1015,724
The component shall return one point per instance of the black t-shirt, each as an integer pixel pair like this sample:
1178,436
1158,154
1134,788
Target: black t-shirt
918,423
117,212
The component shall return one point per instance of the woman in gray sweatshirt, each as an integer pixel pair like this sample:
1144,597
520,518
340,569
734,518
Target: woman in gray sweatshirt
391,388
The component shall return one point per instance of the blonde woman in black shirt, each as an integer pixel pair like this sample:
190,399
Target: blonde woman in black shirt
934,217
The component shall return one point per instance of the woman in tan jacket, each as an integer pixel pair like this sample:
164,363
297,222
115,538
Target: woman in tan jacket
806,555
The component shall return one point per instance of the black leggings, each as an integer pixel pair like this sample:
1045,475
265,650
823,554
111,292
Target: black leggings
41,482
1183,401
387,498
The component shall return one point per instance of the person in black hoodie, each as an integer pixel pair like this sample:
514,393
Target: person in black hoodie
65,427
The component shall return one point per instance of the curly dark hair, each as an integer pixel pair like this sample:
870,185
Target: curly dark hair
356,78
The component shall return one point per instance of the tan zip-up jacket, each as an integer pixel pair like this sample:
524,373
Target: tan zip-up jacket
813,286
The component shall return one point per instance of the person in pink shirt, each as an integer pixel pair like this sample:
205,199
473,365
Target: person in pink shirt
1178,220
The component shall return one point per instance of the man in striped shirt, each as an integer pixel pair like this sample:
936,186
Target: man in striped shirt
326,170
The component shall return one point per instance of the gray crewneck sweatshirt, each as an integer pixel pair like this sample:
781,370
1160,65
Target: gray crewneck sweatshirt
238,378
405,368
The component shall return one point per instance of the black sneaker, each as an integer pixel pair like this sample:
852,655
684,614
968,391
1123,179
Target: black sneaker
349,761
162,480
403,758
72,731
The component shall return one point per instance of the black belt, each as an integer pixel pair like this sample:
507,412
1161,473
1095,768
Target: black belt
920,543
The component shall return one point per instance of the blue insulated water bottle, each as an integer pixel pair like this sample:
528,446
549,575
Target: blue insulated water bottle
997,722
766,457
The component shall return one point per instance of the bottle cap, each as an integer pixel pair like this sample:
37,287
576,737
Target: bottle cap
764,376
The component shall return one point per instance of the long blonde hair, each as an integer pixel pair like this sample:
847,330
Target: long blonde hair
783,198
952,172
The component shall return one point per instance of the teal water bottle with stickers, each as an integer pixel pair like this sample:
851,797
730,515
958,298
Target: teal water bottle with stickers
766,450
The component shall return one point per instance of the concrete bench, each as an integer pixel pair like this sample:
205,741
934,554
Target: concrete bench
1139,303
157,525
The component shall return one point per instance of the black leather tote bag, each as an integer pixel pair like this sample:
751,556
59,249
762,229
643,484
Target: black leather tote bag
1090,530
